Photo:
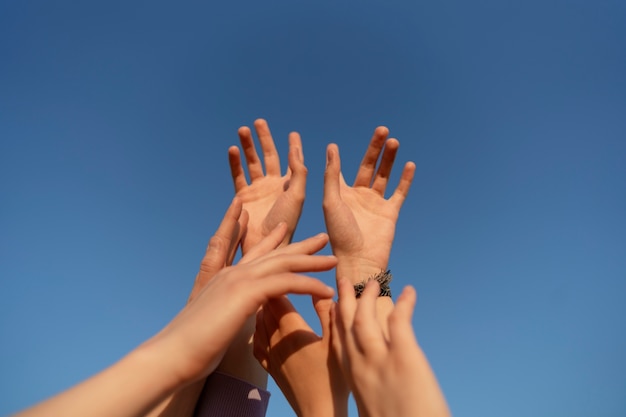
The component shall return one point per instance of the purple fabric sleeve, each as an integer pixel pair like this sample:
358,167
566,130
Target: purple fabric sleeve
226,396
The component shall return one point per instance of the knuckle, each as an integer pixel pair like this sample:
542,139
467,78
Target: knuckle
216,243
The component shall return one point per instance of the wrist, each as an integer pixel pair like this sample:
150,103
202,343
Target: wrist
163,355
338,407
356,270
239,360
136,384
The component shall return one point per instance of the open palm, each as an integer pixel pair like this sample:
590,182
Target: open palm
269,198
360,221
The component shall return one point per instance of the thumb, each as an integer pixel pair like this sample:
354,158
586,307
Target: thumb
322,308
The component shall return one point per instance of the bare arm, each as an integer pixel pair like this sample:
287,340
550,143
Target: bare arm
300,361
361,223
190,346
269,197
219,253
389,375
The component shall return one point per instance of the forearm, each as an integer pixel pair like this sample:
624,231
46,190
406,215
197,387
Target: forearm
239,360
182,403
129,388
338,407
433,401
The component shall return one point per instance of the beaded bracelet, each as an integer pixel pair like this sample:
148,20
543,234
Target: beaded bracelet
383,278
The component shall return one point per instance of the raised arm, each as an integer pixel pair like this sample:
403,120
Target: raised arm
269,198
220,253
300,361
389,375
194,342
360,221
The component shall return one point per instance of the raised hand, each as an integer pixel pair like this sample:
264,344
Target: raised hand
192,344
200,334
389,376
270,197
361,223
300,361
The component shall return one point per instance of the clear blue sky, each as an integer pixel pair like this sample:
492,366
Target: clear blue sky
115,119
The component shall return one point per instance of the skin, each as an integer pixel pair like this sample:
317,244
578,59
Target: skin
389,375
361,225
299,360
270,198
190,346
262,203
220,253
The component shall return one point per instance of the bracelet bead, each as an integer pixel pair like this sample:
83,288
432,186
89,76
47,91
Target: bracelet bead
383,278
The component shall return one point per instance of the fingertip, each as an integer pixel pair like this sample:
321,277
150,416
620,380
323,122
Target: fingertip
243,131
381,131
260,122
332,155
244,216
406,301
236,205
408,291
344,287
277,233
372,289
392,143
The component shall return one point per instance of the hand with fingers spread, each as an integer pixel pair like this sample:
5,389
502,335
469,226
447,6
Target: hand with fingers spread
389,375
361,223
270,197
194,342
299,360
201,333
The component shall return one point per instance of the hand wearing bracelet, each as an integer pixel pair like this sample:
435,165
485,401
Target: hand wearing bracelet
360,221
